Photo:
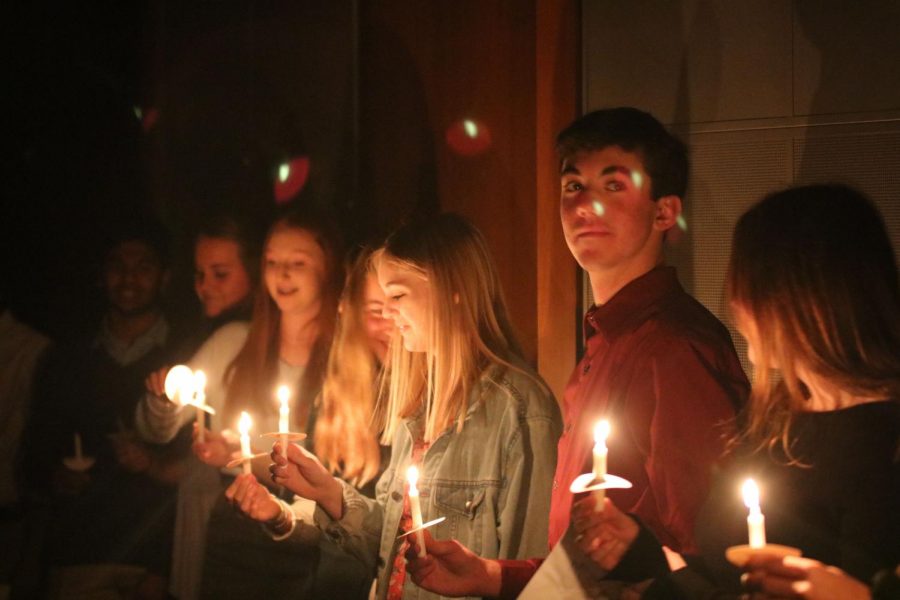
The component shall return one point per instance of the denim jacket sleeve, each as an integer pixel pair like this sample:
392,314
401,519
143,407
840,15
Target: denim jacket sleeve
358,531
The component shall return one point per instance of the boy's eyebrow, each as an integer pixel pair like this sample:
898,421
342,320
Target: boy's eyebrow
569,169
616,169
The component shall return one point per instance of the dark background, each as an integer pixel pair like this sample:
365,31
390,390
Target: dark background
170,110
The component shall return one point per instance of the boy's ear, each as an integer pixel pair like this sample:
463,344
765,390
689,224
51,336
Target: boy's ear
668,209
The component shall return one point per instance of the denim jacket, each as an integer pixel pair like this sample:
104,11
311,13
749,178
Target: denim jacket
491,480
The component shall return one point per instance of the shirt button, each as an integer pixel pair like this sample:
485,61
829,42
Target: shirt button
396,496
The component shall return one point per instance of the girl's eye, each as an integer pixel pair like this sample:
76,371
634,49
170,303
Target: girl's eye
572,186
220,275
397,297
615,186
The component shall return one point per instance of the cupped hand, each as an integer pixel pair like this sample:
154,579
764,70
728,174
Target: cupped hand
252,498
799,577
302,473
214,450
156,381
132,455
450,569
605,536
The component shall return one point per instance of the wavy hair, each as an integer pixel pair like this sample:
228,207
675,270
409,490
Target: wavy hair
252,373
345,438
813,270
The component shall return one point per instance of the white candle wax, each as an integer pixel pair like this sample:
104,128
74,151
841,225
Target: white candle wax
415,508
244,425
78,452
601,432
756,522
284,421
200,401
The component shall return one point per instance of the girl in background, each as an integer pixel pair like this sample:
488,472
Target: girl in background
287,343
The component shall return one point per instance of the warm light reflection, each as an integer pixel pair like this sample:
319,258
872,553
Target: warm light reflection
412,476
284,171
682,223
599,210
470,127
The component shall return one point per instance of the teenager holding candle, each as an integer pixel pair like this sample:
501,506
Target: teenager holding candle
287,343
460,404
657,364
814,289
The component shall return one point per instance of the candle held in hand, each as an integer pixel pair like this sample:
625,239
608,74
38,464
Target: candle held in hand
415,508
756,522
284,414
601,432
244,425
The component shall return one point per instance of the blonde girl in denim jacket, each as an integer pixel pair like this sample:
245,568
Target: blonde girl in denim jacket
458,402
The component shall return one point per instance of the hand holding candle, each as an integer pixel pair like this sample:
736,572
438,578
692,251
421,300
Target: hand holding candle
756,522
284,420
244,425
415,508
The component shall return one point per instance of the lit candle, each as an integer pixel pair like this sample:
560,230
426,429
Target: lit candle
415,509
78,453
244,425
199,402
179,385
756,522
284,421
601,432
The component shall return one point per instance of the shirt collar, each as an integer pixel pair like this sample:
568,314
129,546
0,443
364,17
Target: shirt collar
632,304
125,354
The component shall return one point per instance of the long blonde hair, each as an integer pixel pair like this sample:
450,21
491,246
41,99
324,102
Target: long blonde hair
345,438
812,268
466,333
251,375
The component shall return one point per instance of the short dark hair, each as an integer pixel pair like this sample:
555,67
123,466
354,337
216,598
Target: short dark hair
140,228
664,156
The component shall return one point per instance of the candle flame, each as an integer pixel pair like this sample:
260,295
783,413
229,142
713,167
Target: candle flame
245,423
283,394
750,492
199,381
412,476
179,384
601,432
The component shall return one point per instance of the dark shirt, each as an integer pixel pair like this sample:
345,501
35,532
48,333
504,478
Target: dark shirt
663,370
115,516
840,505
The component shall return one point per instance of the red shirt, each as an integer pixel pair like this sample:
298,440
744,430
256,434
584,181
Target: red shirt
663,370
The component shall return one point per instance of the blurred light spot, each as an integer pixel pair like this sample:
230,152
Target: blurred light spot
468,137
148,118
598,208
682,224
291,177
138,113
637,179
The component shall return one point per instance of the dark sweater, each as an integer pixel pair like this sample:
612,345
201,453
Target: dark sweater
842,509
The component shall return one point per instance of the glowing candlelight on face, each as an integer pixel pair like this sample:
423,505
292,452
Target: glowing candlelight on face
79,455
284,413
244,425
756,522
415,509
200,402
601,432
